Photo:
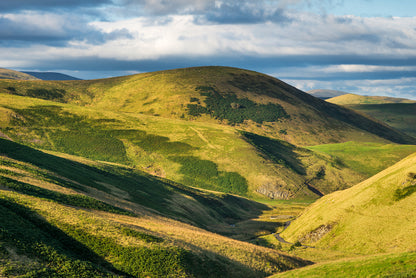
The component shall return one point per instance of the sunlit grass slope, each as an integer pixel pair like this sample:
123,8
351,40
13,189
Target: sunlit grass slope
365,158
352,99
72,217
249,100
392,265
375,216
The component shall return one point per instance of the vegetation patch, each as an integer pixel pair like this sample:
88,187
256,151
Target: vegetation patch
408,190
205,174
51,94
235,110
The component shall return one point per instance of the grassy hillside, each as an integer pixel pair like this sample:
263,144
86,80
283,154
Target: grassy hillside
16,75
352,99
204,155
392,265
249,100
69,216
401,116
375,216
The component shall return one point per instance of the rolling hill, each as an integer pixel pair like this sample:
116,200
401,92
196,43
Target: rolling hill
15,75
375,216
248,100
68,216
50,75
155,175
153,124
352,99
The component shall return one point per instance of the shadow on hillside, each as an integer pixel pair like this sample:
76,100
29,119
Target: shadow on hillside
278,151
33,236
152,192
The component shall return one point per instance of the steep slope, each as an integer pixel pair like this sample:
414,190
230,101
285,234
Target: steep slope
61,216
352,99
375,216
16,75
249,100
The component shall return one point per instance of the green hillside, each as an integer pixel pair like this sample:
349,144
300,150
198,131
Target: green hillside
155,175
66,216
401,116
204,155
375,216
15,75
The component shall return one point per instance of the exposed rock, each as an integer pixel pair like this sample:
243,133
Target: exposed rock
317,234
274,191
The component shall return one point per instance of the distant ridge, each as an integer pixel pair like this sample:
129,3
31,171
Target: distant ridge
326,94
51,75
15,75
352,99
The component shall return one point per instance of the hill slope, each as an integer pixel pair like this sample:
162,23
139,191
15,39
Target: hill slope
69,216
326,94
16,75
375,216
198,150
352,99
250,101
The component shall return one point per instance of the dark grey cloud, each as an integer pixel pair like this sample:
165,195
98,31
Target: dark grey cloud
46,29
243,12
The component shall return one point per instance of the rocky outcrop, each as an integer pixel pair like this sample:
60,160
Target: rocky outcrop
316,234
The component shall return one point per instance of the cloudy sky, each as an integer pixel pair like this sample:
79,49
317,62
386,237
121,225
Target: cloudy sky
359,46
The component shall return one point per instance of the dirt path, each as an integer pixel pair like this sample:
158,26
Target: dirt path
203,138
279,238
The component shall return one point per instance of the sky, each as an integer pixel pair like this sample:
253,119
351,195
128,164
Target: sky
359,46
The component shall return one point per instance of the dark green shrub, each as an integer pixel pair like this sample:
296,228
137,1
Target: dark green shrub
235,110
